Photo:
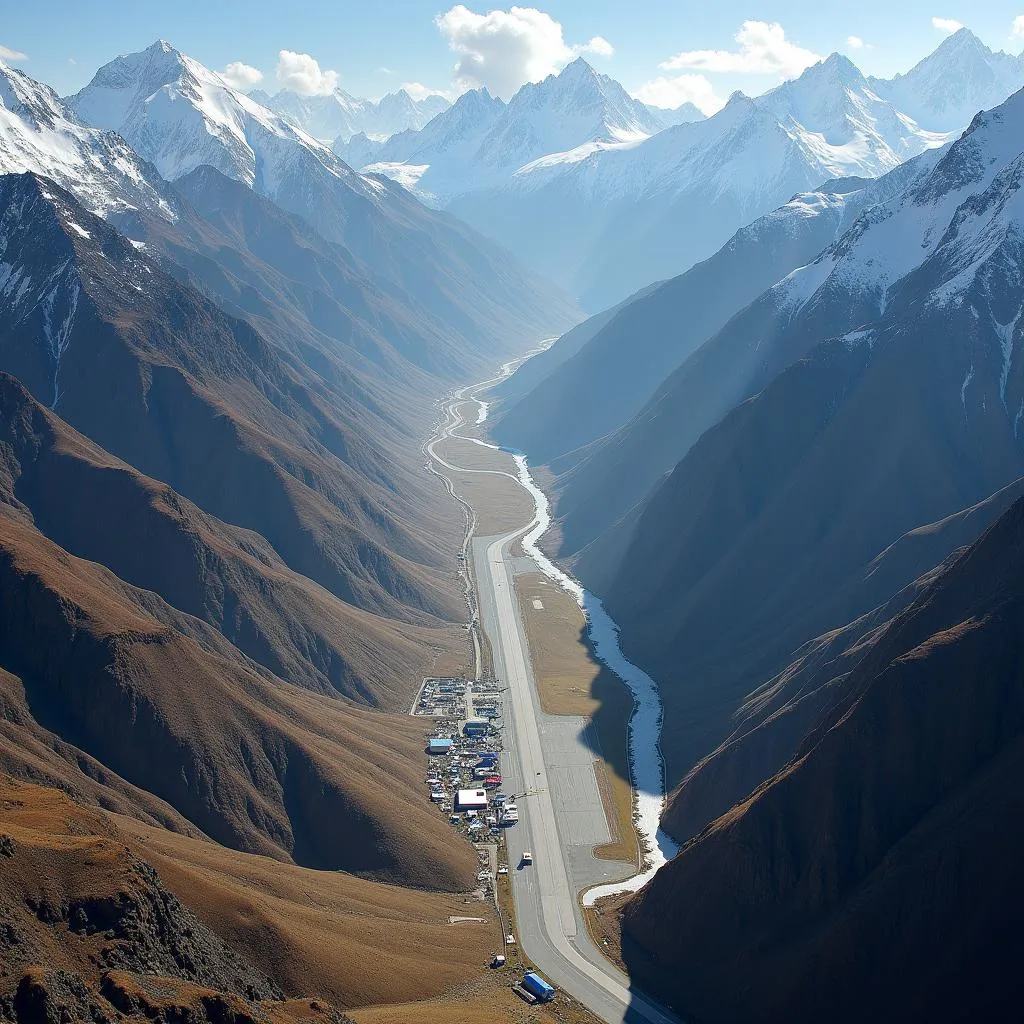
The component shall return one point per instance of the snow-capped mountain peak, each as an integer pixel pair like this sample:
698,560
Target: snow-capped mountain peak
592,106
949,86
41,135
180,115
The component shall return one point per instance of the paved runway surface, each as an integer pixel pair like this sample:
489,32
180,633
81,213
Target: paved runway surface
558,772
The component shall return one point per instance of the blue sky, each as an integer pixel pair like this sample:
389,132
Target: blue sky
663,49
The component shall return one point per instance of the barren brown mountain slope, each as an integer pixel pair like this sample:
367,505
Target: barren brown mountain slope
876,876
165,380
151,537
772,720
89,926
253,762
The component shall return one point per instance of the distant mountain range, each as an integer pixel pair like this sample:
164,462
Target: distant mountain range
481,141
621,200
339,116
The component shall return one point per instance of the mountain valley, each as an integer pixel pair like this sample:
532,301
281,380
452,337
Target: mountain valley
708,588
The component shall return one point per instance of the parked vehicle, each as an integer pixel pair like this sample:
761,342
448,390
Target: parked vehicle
538,987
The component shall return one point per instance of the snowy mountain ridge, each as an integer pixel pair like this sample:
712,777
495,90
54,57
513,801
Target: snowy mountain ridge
959,78
828,123
180,115
481,141
40,134
967,209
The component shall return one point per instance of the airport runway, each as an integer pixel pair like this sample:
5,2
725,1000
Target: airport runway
549,917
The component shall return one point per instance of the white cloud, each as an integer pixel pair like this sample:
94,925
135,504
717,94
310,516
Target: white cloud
1018,26
385,71
763,49
947,24
6,53
418,91
855,42
598,46
301,73
241,76
502,50
673,92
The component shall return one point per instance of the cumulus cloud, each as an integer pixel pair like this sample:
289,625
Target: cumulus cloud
1018,26
855,42
301,73
672,92
418,91
502,50
241,76
763,49
6,53
947,24
599,46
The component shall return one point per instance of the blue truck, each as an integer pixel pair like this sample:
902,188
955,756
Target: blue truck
538,987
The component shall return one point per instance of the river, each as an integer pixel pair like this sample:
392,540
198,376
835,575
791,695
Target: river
644,730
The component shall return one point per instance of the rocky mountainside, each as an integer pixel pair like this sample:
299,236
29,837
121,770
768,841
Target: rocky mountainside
124,645
877,389
875,875
772,720
597,387
148,372
107,919
232,578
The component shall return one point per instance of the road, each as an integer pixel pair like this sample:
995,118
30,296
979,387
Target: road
549,922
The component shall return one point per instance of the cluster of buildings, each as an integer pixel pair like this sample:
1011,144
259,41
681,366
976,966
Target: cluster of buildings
442,697
465,780
465,775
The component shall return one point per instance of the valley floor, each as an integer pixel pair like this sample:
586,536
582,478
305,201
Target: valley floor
562,713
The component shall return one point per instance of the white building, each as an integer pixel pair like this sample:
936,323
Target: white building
471,800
